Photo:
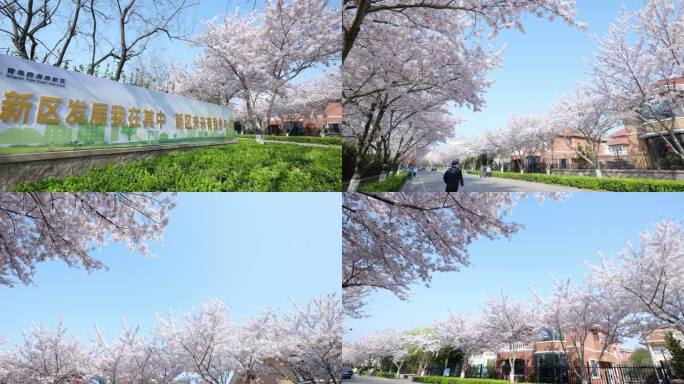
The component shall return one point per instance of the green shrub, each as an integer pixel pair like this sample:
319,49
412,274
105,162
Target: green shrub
595,183
328,140
671,161
387,375
392,184
455,380
245,166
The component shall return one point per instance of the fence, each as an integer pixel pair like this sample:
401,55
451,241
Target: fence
610,162
537,164
594,374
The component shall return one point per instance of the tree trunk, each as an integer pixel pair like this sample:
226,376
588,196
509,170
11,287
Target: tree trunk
352,32
512,374
399,369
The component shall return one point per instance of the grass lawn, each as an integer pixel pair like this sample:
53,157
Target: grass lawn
391,184
245,166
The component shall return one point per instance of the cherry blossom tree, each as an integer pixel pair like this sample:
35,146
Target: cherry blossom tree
521,138
644,75
254,57
409,131
370,350
578,313
50,357
509,324
37,227
6,360
111,357
446,63
317,330
438,16
590,115
465,332
206,338
391,241
649,275
424,344
392,83
309,99
202,345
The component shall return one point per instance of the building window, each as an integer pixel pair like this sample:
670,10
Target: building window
595,374
550,334
332,128
519,367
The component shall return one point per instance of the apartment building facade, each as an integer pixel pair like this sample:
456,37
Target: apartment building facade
656,345
326,122
547,360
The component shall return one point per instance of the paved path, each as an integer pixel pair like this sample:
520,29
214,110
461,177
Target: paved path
432,182
297,143
356,379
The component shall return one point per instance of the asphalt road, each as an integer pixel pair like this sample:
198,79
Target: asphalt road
427,181
356,379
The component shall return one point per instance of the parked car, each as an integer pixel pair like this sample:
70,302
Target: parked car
347,373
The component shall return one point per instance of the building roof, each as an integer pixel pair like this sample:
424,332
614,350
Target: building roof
672,81
572,132
658,335
620,137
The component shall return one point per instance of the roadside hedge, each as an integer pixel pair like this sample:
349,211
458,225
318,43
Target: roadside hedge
595,183
245,166
455,380
328,140
387,375
392,184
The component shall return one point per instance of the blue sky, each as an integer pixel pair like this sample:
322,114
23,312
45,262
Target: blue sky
557,239
253,250
549,58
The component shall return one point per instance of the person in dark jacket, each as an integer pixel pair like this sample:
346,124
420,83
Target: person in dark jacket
453,177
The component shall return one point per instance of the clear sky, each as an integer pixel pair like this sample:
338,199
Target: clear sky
549,58
253,250
557,240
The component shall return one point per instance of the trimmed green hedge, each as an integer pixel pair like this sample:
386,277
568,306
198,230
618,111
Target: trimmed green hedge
245,166
455,380
595,183
328,140
392,184
387,375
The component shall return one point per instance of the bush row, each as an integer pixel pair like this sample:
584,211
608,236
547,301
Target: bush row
245,166
455,380
595,183
392,184
328,140
387,375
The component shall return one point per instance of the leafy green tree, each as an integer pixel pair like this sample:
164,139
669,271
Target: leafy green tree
641,356
674,345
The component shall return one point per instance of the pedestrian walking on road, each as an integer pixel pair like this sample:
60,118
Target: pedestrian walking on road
453,177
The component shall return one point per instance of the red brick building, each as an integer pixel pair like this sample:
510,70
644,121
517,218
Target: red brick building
543,361
328,122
